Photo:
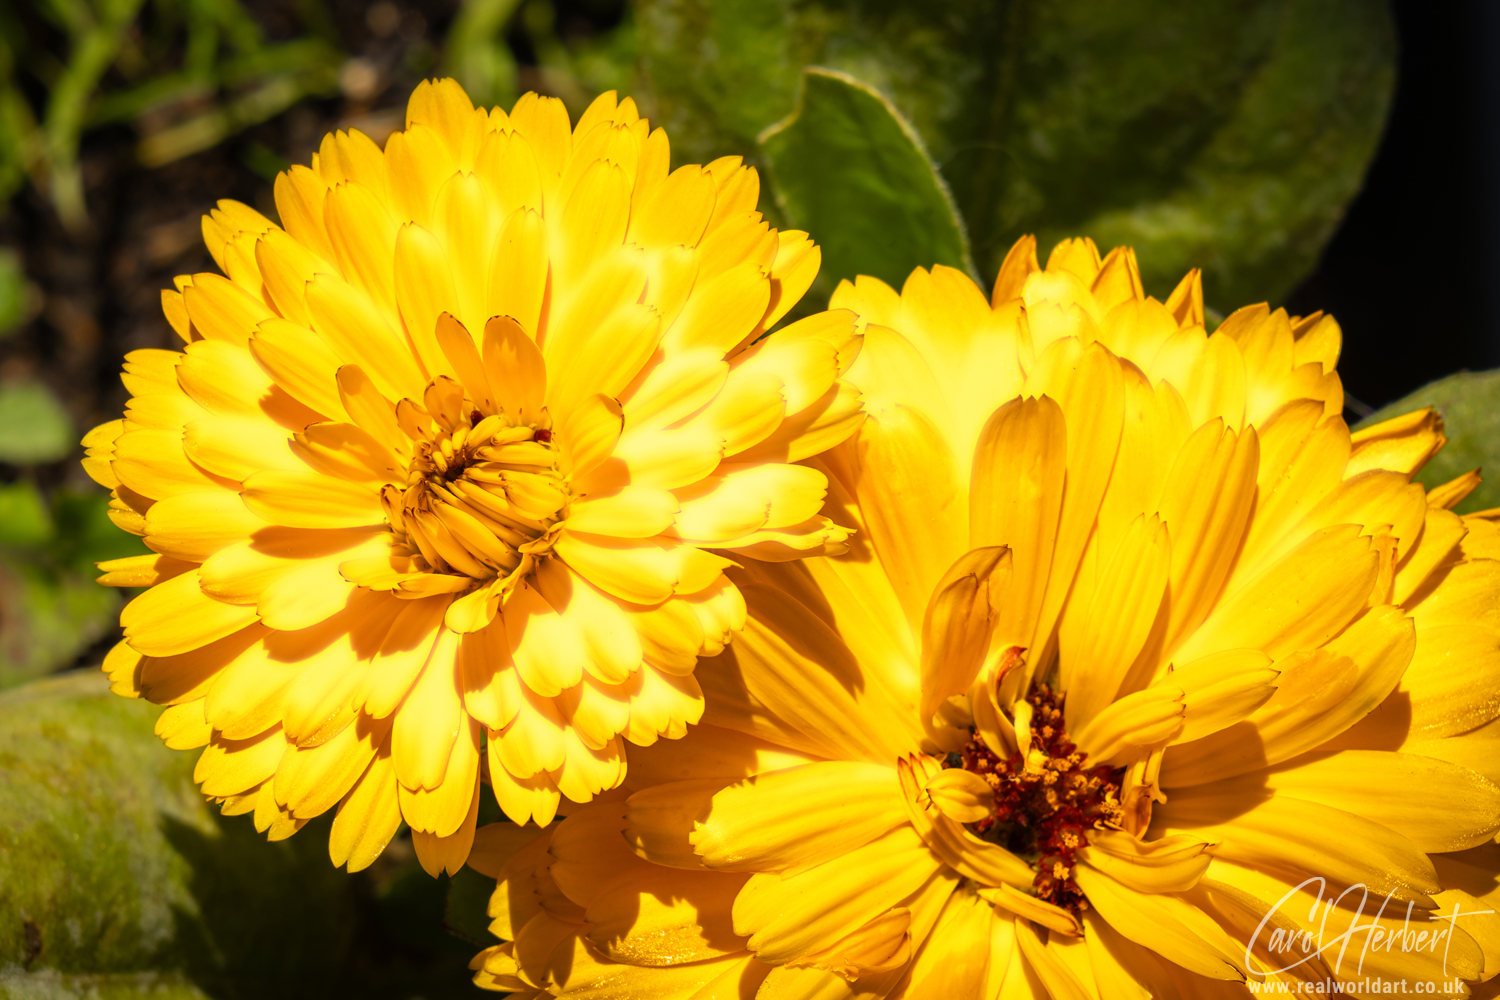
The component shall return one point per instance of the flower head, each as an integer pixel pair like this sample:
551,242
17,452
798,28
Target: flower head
1136,643
453,456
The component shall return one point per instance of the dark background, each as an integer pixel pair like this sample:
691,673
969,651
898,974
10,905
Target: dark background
1410,276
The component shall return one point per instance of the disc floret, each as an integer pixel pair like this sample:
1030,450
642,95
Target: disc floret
1047,799
484,492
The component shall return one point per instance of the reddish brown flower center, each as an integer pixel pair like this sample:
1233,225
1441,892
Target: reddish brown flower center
1046,802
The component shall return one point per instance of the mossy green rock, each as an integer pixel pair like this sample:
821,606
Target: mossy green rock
117,879
49,984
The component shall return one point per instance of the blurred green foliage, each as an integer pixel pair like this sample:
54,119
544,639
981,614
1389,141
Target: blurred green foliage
1228,136
576,68
51,610
187,76
168,899
14,293
34,427
477,54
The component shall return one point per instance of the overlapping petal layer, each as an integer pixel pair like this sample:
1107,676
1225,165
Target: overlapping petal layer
1137,649
450,464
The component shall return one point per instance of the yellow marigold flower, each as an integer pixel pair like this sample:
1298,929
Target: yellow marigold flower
1136,646
455,456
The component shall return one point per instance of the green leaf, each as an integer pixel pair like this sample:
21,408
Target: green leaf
34,427
25,521
1469,404
1251,182
466,913
849,169
1227,136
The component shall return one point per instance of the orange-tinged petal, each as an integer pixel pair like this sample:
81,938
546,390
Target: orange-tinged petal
1016,497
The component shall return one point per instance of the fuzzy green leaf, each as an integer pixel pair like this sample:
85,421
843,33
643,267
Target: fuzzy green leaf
1226,136
848,168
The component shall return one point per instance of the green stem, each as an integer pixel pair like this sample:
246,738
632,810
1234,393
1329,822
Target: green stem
92,54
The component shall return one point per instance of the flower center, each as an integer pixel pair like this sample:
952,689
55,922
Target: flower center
1047,801
483,493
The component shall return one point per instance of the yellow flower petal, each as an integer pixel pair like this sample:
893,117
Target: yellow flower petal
310,500
761,824
311,780
427,724
1112,616
956,629
1444,807
1288,831
916,552
442,810
1177,930
177,616
784,916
